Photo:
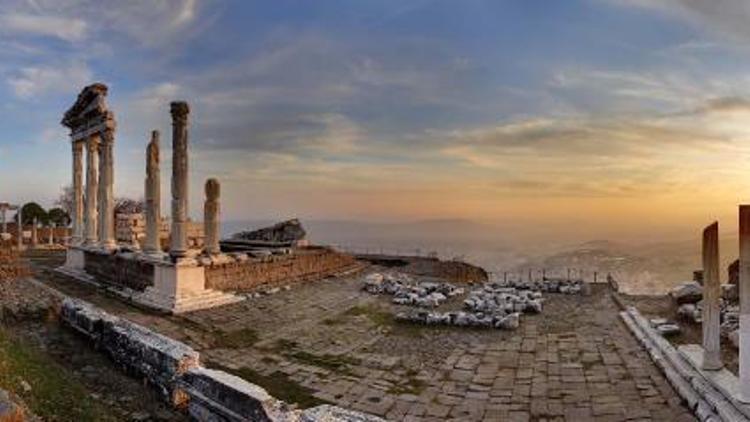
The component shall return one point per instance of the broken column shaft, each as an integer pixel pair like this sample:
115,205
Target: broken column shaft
153,196
711,296
211,217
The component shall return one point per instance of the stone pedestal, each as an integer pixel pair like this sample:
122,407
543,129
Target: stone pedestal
711,296
75,258
181,287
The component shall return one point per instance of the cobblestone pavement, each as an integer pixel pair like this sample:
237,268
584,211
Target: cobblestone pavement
574,362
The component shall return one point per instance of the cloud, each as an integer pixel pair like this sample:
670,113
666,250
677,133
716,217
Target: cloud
34,81
68,29
725,17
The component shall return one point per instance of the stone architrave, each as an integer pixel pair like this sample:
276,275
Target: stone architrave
179,245
92,183
153,196
106,222
711,296
211,217
78,191
744,288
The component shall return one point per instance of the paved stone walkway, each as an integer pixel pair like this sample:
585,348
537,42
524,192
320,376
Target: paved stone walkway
574,362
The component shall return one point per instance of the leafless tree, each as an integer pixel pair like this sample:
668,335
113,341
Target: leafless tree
65,200
128,205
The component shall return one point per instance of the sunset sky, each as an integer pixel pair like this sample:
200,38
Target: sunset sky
590,114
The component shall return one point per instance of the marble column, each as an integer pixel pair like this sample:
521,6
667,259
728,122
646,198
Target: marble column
34,234
179,247
106,220
19,227
77,191
51,237
211,217
711,296
744,287
153,196
92,183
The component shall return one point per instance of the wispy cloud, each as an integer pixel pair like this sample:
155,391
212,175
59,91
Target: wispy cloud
29,82
68,29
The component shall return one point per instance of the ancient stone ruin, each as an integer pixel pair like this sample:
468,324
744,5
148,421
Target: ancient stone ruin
177,265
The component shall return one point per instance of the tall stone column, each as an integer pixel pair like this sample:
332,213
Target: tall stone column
106,226
711,296
34,234
744,286
179,111
211,217
92,186
77,191
19,227
51,237
153,196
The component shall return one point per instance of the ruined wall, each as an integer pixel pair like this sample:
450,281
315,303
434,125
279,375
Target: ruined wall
11,265
455,271
306,264
119,270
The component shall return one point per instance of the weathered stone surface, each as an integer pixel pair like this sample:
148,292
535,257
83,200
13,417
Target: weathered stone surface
688,292
711,299
153,196
216,395
328,413
211,212
159,359
179,244
286,232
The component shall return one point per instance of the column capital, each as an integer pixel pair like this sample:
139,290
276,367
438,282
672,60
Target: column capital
180,111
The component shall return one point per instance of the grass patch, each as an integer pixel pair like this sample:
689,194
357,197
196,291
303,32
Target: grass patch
410,386
238,339
54,394
375,314
279,385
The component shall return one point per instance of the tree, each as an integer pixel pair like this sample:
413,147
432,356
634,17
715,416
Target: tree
32,210
65,200
128,206
59,217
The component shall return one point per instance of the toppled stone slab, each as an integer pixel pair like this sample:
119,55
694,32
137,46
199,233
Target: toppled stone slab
689,292
158,359
217,395
505,300
289,233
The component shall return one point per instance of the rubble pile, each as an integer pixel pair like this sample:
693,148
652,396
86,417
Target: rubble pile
490,307
11,266
548,285
406,292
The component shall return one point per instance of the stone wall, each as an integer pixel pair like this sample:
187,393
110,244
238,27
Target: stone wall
119,270
305,264
11,265
454,271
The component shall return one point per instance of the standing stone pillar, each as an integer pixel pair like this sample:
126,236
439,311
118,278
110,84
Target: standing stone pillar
211,217
106,226
5,225
711,296
77,191
51,237
744,287
92,181
179,247
19,227
34,238
153,196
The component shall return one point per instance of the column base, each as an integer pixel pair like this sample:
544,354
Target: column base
180,288
75,259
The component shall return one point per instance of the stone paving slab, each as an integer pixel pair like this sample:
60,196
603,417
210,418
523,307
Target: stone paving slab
574,362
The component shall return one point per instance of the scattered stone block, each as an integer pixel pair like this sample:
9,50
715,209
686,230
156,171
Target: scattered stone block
689,292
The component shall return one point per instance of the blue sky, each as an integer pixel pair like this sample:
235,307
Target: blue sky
539,111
